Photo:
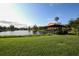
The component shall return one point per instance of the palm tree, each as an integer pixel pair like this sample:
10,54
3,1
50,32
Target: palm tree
56,19
59,29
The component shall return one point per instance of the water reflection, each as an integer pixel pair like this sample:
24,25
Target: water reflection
20,32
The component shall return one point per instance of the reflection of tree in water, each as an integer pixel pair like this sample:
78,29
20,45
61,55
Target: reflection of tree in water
12,28
35,29
29,30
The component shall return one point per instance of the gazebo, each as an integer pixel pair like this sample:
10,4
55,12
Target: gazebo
56,28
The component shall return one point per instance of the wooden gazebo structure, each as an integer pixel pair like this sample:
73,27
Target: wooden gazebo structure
56,28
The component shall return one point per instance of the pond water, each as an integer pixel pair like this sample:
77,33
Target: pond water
19,32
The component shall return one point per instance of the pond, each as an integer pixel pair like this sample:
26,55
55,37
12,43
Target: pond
19,32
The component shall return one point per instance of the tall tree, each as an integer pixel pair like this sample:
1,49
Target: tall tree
75,25
35,29
12,28
29,28
59,29
56,19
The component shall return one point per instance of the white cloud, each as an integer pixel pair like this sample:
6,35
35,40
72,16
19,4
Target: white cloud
9,12
51,4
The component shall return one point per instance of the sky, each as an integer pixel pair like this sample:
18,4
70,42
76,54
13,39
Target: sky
29,14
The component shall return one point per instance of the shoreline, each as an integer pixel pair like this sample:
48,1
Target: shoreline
15,36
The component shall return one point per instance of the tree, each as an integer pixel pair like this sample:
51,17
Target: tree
71,22
75,25
59,30
29,28
4,28
12,28
1,29
35,29
56,19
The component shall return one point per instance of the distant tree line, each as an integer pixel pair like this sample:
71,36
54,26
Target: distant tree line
10,28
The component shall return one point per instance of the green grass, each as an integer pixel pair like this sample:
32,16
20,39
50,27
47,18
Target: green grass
54,45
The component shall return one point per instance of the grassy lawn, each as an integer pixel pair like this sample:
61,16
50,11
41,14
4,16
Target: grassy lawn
40,45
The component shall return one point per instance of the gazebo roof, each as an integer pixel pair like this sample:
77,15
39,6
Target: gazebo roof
56,25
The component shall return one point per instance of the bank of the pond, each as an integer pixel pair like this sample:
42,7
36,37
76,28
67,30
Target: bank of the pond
11,36
14,36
